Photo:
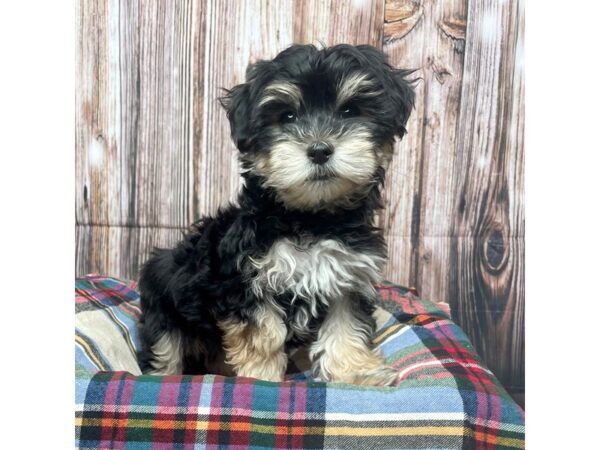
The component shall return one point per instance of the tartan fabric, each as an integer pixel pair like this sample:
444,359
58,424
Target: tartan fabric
446,397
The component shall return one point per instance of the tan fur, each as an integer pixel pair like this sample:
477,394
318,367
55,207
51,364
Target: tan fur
281,90
288,170
168,355
384,156
352,86
342,352
256,349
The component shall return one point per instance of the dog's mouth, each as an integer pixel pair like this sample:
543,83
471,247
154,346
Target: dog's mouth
323,175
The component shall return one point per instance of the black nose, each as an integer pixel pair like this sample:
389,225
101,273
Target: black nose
320,152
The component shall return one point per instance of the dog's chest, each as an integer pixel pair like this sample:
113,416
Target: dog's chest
314,270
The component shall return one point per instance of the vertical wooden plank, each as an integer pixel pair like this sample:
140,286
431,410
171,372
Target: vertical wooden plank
487,255
163,141
403,42
429,37
134,116
339,22
125,94
95,114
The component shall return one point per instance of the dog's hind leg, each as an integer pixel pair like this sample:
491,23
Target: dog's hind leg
162,347
167,355
255,348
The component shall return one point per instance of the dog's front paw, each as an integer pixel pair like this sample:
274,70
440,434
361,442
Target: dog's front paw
364,368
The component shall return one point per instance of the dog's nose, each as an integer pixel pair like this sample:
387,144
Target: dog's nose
320,152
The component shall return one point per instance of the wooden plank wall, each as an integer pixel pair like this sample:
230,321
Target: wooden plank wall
153,149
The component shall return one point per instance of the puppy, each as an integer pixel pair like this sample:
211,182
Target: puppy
295,262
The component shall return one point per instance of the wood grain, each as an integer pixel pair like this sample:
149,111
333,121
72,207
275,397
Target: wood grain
134,97
487,255
154,152
338,22
119,251
419,185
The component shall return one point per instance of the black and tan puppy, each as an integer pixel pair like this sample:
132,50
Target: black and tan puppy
295,261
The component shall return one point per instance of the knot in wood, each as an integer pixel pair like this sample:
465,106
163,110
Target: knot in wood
495,251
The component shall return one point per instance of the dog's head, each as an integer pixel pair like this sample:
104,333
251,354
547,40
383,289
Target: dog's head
318,126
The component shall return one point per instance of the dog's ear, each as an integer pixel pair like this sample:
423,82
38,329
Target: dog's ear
398,88
239,103
403,98
236,103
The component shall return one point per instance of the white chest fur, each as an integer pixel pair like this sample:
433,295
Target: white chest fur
312,269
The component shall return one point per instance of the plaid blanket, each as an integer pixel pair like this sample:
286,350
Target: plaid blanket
446,397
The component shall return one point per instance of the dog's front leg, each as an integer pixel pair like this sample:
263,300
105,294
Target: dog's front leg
256,348
343,351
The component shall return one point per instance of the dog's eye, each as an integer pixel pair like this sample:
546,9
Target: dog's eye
348,111
288,117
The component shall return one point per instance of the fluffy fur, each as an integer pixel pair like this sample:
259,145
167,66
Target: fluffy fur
295,261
